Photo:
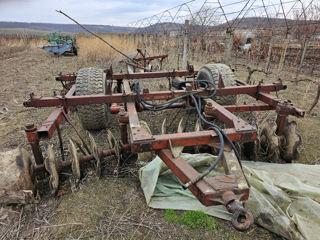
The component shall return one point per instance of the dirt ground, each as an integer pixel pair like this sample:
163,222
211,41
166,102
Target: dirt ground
110,208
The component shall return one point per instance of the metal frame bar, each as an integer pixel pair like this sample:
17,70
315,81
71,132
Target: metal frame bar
209,191
141,140
157,95
151,58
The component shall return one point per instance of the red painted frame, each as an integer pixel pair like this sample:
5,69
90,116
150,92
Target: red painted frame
209,191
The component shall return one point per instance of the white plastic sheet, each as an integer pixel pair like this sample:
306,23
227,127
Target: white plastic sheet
284,198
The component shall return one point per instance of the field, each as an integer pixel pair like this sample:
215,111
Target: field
113,207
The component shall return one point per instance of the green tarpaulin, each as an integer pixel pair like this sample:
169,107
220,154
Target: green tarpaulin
284,198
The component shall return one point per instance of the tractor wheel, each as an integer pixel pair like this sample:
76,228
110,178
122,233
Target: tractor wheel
211,72
292,141
75,51
91,81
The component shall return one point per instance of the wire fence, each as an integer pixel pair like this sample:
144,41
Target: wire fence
268,34
245,26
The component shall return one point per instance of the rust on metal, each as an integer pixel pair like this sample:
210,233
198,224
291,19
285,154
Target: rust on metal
227,117
157,95
210,190
33,139
227,190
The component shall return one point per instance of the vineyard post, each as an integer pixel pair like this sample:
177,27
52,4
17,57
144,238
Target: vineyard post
185,44
150,43
284,53
306,42
228,46
141,40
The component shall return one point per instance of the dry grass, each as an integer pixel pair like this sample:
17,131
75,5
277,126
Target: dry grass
92,49
21,40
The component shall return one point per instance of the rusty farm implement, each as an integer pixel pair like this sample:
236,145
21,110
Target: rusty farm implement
211,92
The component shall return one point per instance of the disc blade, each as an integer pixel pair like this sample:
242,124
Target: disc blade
50,165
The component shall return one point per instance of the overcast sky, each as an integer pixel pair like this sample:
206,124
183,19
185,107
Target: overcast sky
106,12
122,12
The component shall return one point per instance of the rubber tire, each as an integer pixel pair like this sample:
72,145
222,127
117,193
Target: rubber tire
211,71
91,81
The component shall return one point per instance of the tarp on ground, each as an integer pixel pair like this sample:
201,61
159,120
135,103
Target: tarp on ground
284,198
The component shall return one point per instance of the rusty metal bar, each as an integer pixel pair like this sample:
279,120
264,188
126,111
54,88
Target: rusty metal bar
39,168
249,107
66,78
209,191
46,130
151,58
114,109
135,65
137,132
214,109
33,139
181,73
279,104
185,173
157,142
159,95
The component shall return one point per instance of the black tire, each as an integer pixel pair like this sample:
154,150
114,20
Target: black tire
92,81
211,71
75,51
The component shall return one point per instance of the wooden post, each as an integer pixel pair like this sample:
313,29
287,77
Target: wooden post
134,38
140,45
185,44
150,44
283,54
228,46
306,42
198,46
269,55
166,42
258,48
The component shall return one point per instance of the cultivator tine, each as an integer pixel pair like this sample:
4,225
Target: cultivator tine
75,162
50,165
163,126
180,126
95,152
113,144
23,161
177,149
197,129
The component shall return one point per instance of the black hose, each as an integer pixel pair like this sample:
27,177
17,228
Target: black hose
197,102
214,164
